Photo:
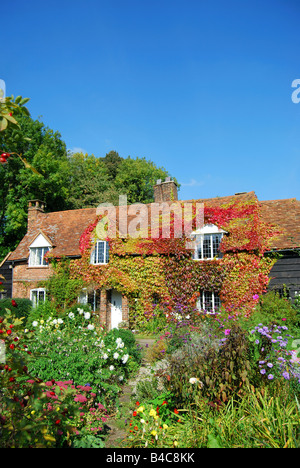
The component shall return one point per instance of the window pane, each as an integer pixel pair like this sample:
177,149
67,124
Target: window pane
107,252
45,250
216,238
208,303
207,246
100,252
217,302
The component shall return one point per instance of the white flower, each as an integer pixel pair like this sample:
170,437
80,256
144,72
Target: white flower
111,367
102,344
35,323
90,327
105,356
116,355
119,340
121,378
80,311
54,322
60,320
87,316
71,315
125,358
194,380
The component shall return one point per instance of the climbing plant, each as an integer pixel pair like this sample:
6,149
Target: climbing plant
159,270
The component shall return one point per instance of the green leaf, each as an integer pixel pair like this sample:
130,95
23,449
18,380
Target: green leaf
3,124
213,442
10,118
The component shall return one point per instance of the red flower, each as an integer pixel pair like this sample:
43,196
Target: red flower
8,332
13,303
176,411
137,403
57,421
12,346
134,413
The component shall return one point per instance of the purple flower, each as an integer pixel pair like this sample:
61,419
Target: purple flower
263,371
270,376
255,297
270,365
286,375
227,331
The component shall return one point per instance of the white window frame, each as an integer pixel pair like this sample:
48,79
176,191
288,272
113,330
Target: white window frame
95,253
37,251
201,235
214,299
37,257
35,302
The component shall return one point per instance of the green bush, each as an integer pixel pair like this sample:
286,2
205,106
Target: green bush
129,341
19,307
43,311
270,310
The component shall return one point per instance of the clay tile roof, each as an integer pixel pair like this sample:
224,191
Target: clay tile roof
63,229
286,215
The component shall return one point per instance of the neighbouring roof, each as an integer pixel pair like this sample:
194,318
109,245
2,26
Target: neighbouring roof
286,215
64,228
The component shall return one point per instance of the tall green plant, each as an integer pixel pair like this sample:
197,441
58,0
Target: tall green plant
62,289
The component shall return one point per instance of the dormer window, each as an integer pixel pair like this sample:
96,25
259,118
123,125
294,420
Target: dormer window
207,242
37,251
100,254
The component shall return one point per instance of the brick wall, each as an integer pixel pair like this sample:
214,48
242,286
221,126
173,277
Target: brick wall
26,278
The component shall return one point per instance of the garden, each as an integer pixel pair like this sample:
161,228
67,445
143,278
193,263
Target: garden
208,381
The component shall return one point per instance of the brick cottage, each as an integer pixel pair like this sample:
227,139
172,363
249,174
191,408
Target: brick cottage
60,233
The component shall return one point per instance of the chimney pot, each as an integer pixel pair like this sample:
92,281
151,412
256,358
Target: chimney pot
165,191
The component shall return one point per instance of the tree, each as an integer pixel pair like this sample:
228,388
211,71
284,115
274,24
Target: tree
112,160
89,179
43,149
136,178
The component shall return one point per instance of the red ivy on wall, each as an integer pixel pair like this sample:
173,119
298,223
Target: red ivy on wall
143,268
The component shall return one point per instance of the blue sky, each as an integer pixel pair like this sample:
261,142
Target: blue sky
202,88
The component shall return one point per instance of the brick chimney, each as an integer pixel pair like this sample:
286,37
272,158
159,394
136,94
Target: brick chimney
165,191
36,209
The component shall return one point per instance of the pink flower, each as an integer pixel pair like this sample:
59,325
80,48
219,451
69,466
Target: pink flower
227,331
80,398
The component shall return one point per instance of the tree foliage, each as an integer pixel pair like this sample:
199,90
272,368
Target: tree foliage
37,165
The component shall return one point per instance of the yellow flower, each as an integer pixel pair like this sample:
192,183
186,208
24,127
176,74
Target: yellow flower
32,412
165,426
58,408
140,409
152,412
49,437
153,433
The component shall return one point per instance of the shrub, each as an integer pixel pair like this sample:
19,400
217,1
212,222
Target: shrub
34,413
271,309
129,341
73,348
18,307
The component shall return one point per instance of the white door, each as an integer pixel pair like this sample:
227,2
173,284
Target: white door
116,308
